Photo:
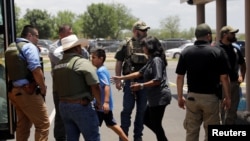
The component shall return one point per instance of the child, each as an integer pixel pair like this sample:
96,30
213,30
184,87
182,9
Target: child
105,109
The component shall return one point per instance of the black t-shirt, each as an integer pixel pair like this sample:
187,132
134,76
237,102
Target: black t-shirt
204,65
235,59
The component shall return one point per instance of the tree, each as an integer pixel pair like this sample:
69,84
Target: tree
124,19
172,25
98,21
19,21
188,34
106,20
63,17
41,20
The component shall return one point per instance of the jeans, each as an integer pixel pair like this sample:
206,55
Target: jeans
59,129
80,119
129,101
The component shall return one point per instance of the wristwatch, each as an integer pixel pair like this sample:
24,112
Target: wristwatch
141,86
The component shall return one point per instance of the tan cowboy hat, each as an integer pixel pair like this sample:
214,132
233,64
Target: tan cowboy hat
69,42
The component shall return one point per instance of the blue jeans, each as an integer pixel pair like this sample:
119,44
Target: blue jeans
80,119
129,101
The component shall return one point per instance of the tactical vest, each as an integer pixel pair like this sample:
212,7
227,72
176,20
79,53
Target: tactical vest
135,58
68,83
16,66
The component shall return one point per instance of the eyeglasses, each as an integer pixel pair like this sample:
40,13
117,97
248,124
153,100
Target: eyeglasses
145,30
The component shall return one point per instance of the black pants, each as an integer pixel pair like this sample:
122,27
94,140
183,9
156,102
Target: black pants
153,120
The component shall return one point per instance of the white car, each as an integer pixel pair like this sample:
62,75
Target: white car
44,51
175,52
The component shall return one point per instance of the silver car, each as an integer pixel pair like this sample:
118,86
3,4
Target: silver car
175,52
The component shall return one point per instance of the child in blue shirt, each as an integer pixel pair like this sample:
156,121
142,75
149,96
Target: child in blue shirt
104,111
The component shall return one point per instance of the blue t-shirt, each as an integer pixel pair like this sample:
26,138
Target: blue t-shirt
104,79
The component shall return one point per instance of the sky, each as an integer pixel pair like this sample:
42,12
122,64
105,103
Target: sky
150,11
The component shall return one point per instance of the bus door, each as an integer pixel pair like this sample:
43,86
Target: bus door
7,36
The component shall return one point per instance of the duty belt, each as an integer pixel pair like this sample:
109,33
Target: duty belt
83,101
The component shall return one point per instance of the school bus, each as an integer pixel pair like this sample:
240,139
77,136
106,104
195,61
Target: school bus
7,36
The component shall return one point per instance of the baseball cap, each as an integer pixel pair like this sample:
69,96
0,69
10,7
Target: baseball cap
140,25
202,30
230,29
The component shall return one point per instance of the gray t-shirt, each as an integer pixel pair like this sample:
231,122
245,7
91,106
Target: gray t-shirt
156,70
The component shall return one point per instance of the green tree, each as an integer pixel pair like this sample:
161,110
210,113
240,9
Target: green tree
40,19
63,17
106,20
124,20
187,34
98,21
171,25
20,22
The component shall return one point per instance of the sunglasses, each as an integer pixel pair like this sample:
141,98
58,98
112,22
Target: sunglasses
145,30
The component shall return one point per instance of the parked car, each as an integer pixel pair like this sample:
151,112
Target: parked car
44,43
44,51
173,43
113,47
175,52
241,46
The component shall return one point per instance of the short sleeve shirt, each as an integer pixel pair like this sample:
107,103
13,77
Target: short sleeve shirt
204,65
104,79
155,69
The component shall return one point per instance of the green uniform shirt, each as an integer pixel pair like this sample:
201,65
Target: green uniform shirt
73,76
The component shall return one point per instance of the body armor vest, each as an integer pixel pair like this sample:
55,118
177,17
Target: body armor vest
134,58
16,66
68,83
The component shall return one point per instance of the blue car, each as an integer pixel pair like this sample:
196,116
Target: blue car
241,46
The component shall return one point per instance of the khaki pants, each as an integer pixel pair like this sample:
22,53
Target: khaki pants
30,109
200,108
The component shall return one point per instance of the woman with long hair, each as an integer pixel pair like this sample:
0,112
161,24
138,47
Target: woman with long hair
155,83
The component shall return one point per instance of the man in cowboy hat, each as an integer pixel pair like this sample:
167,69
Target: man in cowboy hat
77,85
59,130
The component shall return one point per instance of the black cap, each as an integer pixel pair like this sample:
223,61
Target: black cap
202,30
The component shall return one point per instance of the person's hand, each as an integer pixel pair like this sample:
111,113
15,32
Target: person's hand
97,106
105,107
181,102
240,79
117,81
135,86
226,103
43,91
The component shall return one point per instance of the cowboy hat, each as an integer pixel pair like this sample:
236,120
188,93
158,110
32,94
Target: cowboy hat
69,42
